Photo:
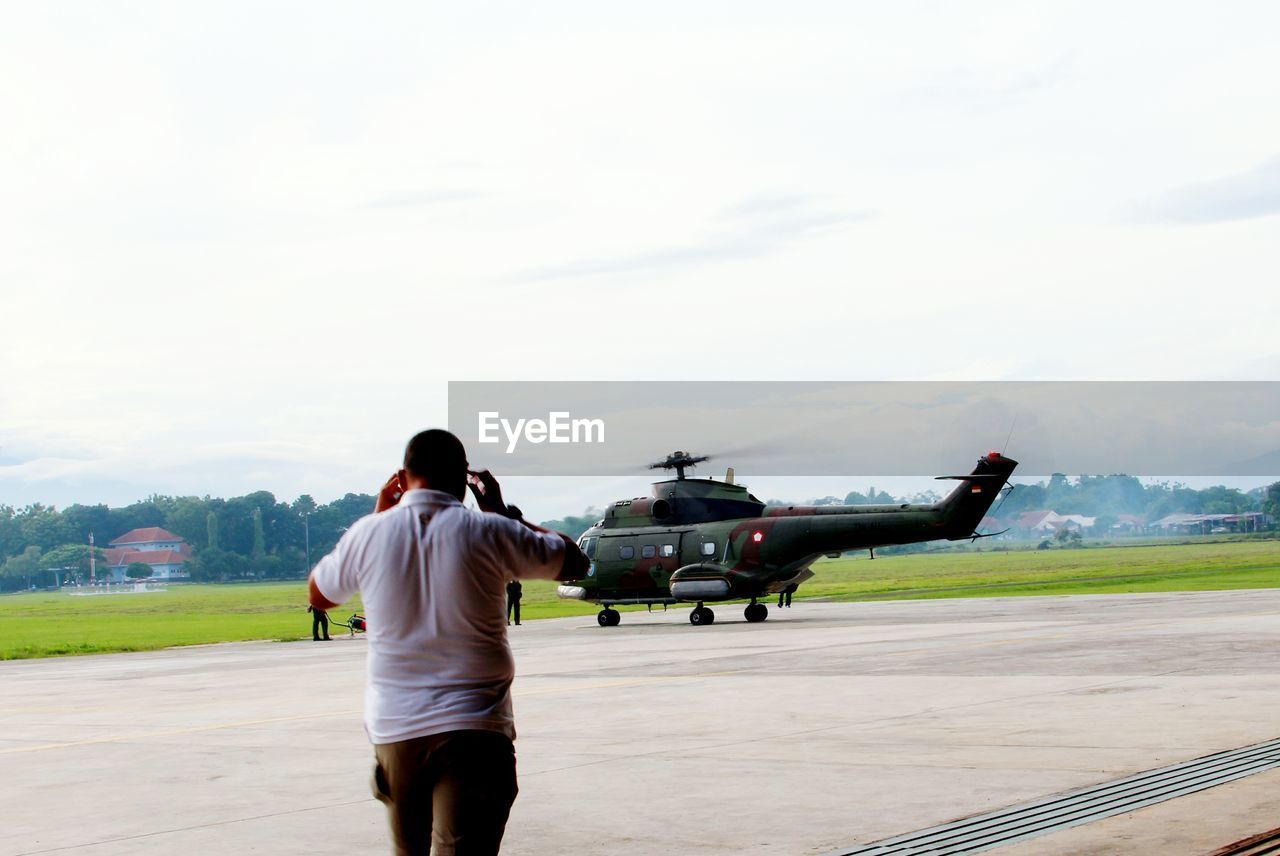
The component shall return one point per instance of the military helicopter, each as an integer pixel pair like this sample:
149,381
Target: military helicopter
701,540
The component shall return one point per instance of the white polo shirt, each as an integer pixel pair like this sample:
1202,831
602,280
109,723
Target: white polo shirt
433,578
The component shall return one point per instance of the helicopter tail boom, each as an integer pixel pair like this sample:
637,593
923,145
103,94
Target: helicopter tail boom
964,508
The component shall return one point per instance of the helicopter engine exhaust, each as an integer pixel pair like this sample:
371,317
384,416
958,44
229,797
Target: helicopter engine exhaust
702,581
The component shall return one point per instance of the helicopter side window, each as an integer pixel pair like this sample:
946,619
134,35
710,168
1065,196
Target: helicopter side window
708,548
648,551
627,552
668,550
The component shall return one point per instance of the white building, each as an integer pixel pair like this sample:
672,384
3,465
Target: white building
1049,522
165,552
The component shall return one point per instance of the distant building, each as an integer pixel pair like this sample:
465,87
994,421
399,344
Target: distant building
1205,524
165,552
1075,521
995,529
1128,524
1031,524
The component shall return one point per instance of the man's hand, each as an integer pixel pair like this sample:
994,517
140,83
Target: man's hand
484,487
576,563
389,494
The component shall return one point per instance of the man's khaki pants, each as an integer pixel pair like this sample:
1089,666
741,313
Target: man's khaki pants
447,794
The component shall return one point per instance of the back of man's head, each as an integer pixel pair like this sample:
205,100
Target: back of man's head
438,458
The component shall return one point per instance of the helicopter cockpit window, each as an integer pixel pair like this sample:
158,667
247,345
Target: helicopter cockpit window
668,550
627,552
708,548
588,546
648,551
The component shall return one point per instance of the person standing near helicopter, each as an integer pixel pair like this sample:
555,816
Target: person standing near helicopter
514,590
319,622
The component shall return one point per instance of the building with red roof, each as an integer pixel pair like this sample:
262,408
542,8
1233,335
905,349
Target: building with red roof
1037,523
165,552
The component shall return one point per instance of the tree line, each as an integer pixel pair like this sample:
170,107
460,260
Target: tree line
1108,497
254,536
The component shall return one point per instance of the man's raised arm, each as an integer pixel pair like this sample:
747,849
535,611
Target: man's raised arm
575,562
334,579
488,494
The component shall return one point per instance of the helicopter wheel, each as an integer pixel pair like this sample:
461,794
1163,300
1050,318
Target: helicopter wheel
609,617
756,612
700,616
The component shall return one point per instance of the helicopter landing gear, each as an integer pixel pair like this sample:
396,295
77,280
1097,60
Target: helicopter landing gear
609,617
701,615
756,612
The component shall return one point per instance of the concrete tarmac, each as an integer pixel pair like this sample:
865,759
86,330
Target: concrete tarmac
828,725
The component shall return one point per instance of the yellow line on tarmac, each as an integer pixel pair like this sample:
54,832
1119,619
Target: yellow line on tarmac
64,709
245,723
629,682
118,738
989,643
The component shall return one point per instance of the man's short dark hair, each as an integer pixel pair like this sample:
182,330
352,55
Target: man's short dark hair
437,456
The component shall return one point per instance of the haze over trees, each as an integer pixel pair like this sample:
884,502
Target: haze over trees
1104,497
1108,497
1271,501
256,536
575,525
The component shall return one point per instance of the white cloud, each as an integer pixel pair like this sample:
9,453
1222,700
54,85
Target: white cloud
287,228
755,232
1241,196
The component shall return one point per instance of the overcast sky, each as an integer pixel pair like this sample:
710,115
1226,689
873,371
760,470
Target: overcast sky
244,245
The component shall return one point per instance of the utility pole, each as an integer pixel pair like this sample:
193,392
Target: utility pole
92,566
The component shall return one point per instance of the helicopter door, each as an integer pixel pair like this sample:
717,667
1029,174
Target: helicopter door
620,568
666,558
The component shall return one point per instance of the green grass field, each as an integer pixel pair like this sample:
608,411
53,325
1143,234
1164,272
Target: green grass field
55,623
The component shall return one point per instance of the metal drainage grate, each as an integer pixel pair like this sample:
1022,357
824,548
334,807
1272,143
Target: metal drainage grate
997,828
1254,845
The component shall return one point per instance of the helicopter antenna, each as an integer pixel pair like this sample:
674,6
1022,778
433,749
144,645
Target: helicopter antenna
679,461
1012,425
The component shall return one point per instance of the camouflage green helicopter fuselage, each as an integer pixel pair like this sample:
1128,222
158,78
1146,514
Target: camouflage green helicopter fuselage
701,540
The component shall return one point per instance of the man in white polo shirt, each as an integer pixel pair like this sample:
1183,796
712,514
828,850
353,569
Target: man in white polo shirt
433,577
